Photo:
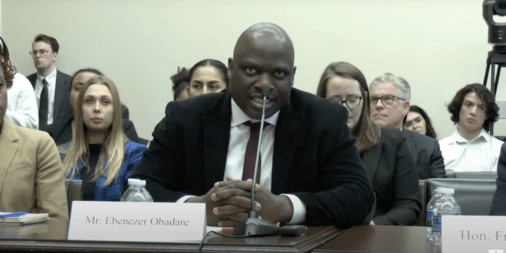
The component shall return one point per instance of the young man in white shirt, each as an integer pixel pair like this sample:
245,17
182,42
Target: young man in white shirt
471,147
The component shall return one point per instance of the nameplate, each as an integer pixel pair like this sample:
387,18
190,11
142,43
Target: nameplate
464,233
137,221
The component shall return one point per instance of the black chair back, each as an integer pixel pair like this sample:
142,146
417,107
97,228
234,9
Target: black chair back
473,195
477,175
421,217
75,190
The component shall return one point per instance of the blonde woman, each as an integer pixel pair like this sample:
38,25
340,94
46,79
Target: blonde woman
99,153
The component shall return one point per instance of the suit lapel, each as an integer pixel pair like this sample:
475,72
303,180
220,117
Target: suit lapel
216,139
285,141
371,158
411,144
59,94
33,79
8,149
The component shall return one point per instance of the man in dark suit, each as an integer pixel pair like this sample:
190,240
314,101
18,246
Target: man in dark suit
499,200
390,96
51,86
310,172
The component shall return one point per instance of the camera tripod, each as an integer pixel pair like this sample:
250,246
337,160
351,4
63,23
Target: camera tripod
496,57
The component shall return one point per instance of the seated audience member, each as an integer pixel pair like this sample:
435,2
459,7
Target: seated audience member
207,76
50,84
125,113
180,83
499,200
32,175
310,170
390,97
22,107
471,147
386,157
61,131
418,121
99,153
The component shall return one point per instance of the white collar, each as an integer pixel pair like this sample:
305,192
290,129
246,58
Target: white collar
459,139
239,117
50,76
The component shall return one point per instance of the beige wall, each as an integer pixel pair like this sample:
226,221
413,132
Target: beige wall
438,46
0,17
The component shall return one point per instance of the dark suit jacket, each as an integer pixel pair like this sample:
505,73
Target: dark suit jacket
314,156
392,171
62,106
61,131
427,155
499,200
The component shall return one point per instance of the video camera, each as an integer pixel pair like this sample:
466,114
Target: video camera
496,31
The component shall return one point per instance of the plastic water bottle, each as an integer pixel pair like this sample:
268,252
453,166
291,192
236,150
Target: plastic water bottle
445,205
130,188
430,211
136,192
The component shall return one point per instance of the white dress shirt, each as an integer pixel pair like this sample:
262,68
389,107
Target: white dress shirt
51,87
479,154
239,136
22,107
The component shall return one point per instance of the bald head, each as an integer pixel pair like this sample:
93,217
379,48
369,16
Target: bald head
266,34
263,59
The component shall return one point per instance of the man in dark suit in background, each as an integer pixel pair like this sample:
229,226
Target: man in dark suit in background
499,200
51,86
390,97
310,172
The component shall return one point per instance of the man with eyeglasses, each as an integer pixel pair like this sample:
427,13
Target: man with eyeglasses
471,147
52,87
390,97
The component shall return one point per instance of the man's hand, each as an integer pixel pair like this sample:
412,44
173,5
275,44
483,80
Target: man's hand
212,219
270,207
227,208
232,202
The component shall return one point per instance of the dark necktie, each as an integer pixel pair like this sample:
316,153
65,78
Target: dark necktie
251,152
43,105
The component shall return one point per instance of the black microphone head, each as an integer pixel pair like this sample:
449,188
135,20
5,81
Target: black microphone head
266,93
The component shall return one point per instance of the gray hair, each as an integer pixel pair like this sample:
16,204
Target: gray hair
399,82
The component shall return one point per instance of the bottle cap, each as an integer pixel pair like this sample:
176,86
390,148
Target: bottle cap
133,180
447,190
440,189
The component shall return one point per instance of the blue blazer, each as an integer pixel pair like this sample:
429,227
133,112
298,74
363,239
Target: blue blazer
133,154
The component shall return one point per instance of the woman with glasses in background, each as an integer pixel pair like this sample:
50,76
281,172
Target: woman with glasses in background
418,121
386,157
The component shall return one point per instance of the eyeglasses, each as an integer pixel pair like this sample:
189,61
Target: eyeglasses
41,52
351,101
386,100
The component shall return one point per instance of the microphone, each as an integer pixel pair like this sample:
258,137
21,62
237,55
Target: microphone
266,93
253,226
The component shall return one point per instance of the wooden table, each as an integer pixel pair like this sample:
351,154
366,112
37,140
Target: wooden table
52,237
384,239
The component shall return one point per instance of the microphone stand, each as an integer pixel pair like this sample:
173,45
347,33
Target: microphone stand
253,226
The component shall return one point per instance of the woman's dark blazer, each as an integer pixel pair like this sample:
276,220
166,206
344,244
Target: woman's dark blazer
393,175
